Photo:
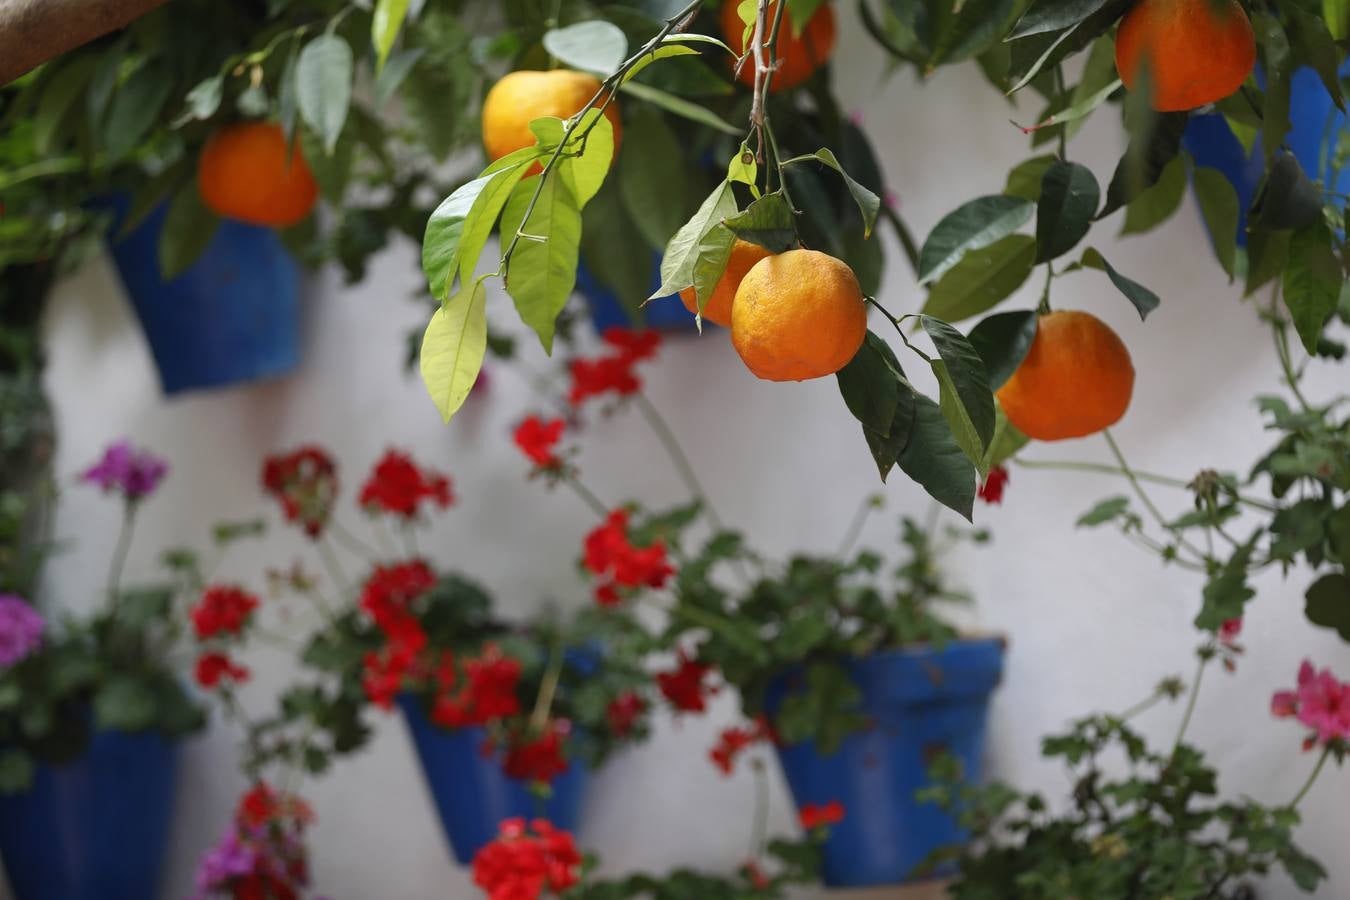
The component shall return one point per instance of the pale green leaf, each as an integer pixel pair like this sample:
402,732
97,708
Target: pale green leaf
453,347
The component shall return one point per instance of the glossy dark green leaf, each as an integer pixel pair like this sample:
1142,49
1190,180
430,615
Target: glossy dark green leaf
1312,44
1221,210
1155,205
1053,15
1144,300
651,173
1312,281
1069,196
968,29
1227,591
869,204
1145,159
1288,198
934,460
968,378
1266,254
1037,53
767,221
135,107
1007,441
870,386
1327,603
975,224
982,279
1025,179
1002,341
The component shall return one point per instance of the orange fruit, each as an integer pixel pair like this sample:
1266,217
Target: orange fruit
1196,51
1076,379
521,97
798,315
718,308
246,172
798,55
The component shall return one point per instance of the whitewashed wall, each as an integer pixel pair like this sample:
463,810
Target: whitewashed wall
1093,622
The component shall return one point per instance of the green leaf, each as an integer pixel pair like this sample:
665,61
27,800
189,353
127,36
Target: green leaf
141,607
800,12
1144,300
651,174
1079,109
1267,252
613,250
1150,150
714,252
188,229
1003,341
1288,198
385,24
135,107
1069,196
870,384
1311,43
869,204
1328,603
958,417
677,266
395,70
595,46
665,50
965,375
1107,510
125,703
1053,15
58,97
982,279
971,226
680,107
445,228
767,221
583,173
1312,281
1007,441
288,105
1338,532
543,269
968,29
1227,592
1151,207
323,86
1220,208
1025,179
453,347
483,214
203,100
936,462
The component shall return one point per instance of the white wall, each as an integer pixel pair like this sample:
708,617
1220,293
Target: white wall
1093,622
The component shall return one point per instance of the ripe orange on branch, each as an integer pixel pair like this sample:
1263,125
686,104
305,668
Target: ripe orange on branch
1076,379
1191,52
798,55
247,172
521,97
717,309
798,315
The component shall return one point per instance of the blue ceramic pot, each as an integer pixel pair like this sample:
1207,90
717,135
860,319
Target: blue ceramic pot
472,793
664,314
1313,118
922,702
95,829
232,317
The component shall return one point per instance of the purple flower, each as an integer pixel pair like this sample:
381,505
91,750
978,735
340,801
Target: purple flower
134,472
20,629
229,859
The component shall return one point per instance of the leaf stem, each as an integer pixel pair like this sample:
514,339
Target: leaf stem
1064,104
587,495
1279,331
855,527
1144,497
119,557
1164,480
1307,785
677,456
1043,308
1191,700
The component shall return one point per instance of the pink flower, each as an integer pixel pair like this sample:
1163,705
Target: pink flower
1230,631
1321,701
135,473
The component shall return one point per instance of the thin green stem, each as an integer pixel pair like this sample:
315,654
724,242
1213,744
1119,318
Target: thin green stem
1044,306
1191,700
1144,497
595,503
1101,468
119,557
1141,707
548,689
1307,785
1279,330
1064,104
855,527
676,453
330,560
353,542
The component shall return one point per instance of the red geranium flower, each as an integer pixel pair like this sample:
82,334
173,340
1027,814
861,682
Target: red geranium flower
815,816
305,483
387,598
487,693
520,864
633,345
537,438
213,668
734,741
539,758
607,553
992,489
222,610
398,487
624,711
613,373
684,687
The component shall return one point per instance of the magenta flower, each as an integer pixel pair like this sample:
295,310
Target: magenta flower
136,473
1230,631
229,859
20,629
1321,701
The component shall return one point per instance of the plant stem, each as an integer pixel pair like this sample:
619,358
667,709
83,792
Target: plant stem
548,689
330,560
1142,706
677,456
353,542
1143,496
119,557
1278,329
856,526
595,503
1043,307
1164,480
1064,101
1307,785
1190,701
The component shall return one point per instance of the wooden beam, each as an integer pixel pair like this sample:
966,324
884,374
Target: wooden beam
34,31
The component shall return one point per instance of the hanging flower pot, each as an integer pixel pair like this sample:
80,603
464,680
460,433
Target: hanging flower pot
607,311
232,317
473,794
921,702
96,828
1312,117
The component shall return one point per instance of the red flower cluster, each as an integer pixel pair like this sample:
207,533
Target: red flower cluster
489,691
539,758
263,806
624,711
734,741
263,856
684,687
613,373
994,483
387,598
305,483
396,486
815,816
537,440
213,668
521,864
610,556
222,610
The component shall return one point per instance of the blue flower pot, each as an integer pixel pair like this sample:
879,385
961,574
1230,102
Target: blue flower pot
95,829
664,314
1314,119
922,702
232,317
472,793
